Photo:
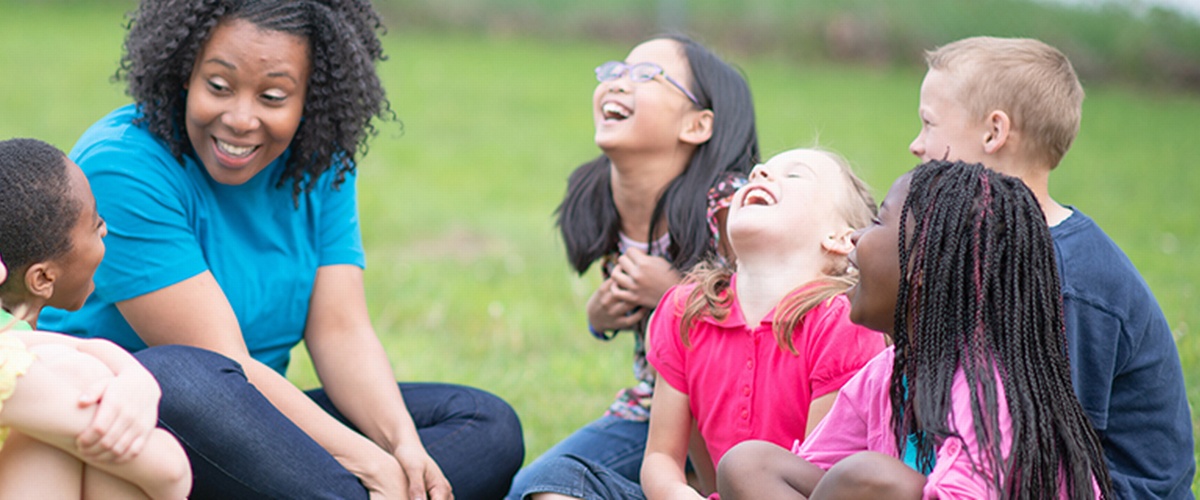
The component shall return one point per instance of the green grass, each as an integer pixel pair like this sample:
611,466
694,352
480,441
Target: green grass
467,280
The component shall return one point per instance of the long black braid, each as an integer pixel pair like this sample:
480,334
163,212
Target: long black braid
344,91
979,292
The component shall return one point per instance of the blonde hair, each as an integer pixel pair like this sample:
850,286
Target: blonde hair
1029,80
711,296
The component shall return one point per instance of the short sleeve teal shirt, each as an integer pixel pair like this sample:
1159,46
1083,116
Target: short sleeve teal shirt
169,222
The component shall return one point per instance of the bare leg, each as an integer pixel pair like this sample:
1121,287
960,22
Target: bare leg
101,485
870,475
759,469
45,406
32,469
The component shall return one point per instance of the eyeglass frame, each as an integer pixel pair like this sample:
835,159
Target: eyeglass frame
627,69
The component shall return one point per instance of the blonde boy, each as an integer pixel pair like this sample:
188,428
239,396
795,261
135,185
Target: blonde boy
1014,105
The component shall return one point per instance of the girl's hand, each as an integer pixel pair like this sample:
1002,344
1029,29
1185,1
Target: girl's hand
606,311
423,474
643,278
126,413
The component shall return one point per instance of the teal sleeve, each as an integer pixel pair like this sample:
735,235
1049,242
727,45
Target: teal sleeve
340,232
143,195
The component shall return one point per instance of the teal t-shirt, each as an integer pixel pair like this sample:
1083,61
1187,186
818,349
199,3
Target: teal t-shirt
169,222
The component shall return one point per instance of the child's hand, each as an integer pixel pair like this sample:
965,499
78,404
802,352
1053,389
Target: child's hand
607,311
126,413
642,278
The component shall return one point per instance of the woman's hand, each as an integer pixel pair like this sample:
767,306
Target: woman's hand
380,475
423,473
643,278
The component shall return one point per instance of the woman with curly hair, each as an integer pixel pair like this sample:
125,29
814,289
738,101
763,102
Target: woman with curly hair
229,187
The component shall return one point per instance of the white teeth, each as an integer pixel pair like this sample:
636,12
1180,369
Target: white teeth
759,197
232,150
614,110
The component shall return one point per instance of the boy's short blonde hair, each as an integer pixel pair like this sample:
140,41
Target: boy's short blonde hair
1029,80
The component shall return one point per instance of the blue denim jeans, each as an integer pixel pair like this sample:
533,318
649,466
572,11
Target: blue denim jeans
241,446
613,444
579,477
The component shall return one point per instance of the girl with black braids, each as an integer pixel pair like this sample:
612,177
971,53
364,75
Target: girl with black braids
675,126
229,187
975,398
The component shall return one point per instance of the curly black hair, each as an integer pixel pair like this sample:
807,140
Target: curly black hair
344,91
36,208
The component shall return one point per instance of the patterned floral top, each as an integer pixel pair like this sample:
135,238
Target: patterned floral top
633,403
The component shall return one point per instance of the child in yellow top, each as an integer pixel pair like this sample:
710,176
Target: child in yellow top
80,414
15,358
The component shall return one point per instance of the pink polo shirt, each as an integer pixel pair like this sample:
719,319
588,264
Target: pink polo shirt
740,384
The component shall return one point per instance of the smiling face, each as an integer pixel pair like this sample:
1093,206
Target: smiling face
792,199
948,131
245,99
75,268
636,116
876,254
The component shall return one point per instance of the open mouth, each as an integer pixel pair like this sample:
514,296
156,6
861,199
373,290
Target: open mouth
233,150
758,196
615,112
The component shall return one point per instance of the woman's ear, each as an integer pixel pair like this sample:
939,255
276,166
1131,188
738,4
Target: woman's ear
697,129
39,280
998,132
838,242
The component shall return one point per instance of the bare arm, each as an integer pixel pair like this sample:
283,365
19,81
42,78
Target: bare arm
663,469
195,312
702,462
358,376
817,409
127,402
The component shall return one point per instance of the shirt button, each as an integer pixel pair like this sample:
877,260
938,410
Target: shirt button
746,390
745,414
749,363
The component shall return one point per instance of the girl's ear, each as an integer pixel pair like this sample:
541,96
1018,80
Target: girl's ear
998,132
697,128
39,280
838,242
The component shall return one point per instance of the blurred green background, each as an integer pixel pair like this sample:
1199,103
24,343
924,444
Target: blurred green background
467,278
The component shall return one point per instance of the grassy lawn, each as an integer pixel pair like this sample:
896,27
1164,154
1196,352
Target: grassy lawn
467,279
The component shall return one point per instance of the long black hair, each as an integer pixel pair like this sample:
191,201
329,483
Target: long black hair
979,292
344,92
588,215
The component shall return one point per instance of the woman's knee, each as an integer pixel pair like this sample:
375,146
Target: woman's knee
503,428
181,364
194,381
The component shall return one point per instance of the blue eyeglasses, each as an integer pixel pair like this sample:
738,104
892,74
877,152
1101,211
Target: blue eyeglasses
640,72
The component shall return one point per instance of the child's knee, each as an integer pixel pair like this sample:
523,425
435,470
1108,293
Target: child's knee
745,462
873,475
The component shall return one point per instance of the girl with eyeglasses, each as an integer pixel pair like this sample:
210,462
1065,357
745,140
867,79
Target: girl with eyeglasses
675,125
